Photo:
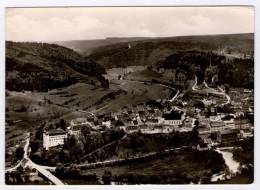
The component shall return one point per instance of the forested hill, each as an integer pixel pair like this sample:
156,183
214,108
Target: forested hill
237,72
42,66
150,51
86,46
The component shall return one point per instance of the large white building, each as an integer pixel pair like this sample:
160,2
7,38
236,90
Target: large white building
174,118
53,138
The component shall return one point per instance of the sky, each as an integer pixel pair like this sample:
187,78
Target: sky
85,23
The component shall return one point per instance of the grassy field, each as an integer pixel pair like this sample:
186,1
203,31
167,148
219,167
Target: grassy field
77,96
136,93
27,110
150,75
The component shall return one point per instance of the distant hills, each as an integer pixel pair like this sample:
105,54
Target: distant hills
42,66
115,52
86,46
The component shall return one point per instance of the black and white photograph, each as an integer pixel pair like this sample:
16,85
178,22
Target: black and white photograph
137,95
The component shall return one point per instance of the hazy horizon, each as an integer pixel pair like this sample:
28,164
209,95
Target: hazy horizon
97,23
114,37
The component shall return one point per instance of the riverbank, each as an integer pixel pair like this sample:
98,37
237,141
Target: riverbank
181,168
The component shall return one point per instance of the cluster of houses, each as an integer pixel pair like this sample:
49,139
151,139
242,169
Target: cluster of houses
156,116
142,118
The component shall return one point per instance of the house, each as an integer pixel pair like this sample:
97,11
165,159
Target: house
174,118
152,121
229,135
217,126
79,121
54,137
106,123
246,133
230,123
76,130
242,124
189,122
131,129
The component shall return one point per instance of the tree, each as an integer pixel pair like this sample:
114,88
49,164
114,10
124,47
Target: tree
18,174
19,153
196,124
194,136
93,83
62,124
85,130
73,170
177,140
35,145
106,178
60,170
227,87
39,132
119,123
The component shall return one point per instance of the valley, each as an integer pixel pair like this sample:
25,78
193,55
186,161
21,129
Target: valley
153,107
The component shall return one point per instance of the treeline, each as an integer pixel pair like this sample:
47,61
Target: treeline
73,173
150,51
191,62
139,144
42,66
211,159
245,155
75,148
235,72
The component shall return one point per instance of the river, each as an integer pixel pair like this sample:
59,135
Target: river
232,165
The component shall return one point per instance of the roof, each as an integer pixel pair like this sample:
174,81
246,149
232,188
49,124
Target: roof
153,120
217,124
229,131
173,115
76,127
135,122
80,120
56,132
132,127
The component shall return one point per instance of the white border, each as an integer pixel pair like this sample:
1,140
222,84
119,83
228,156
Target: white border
49,3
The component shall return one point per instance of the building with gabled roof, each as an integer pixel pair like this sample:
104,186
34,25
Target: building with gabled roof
54,137
173,118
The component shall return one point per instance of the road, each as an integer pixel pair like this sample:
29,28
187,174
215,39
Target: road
222,91
213,91
226,95
26,161
25,148
195,87
44,172
176,96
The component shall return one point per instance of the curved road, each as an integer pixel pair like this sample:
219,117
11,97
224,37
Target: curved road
222,92
41,169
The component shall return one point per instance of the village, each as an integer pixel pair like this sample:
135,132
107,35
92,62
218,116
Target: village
123,99
219,118
160,117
